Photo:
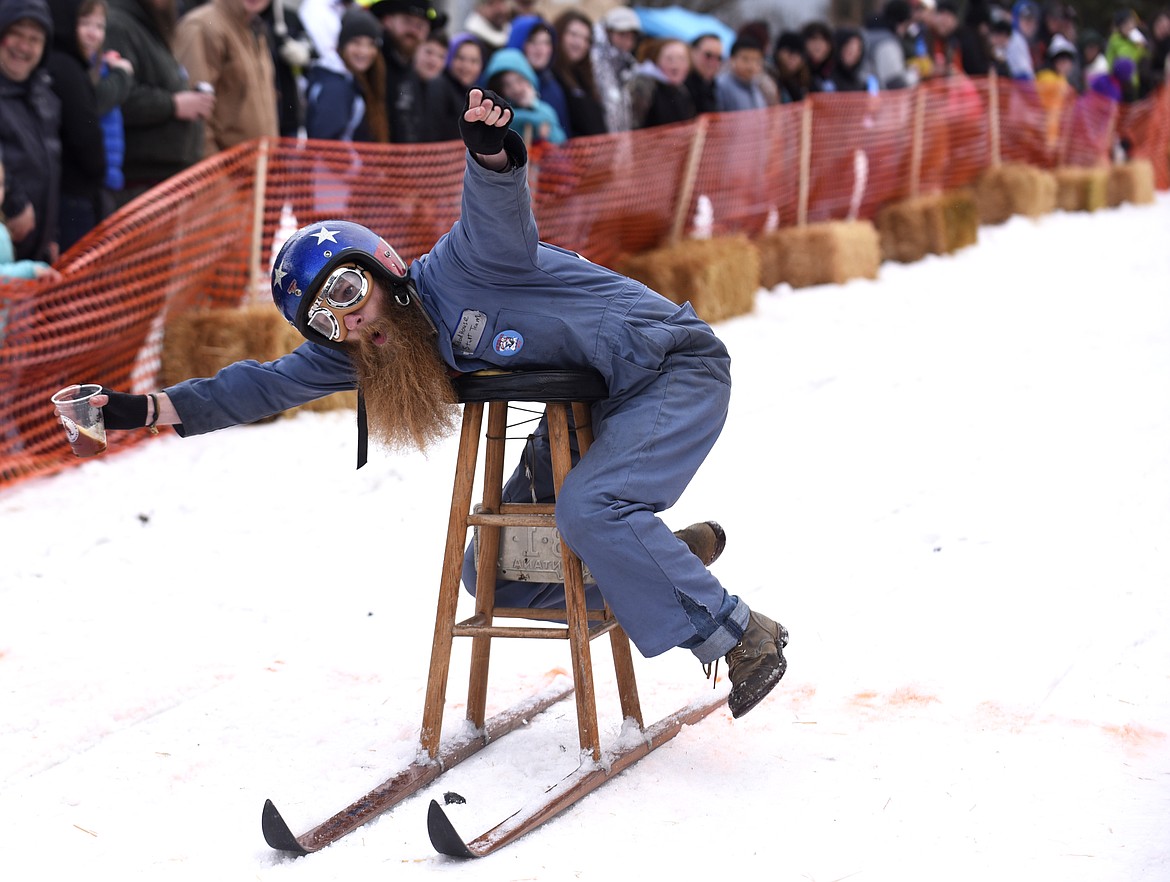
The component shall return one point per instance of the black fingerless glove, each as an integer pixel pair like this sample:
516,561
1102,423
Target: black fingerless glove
479,136
124,411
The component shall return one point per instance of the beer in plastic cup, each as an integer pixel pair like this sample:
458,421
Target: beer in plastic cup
85,427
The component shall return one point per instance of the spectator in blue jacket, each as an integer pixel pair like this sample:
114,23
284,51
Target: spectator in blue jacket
509,73
1025,24
737,85
535,37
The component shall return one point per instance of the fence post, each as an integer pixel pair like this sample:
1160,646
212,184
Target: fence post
687,185
916,142
259,195
806,117
993,111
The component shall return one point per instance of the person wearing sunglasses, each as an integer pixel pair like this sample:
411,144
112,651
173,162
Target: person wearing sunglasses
490,295
706,62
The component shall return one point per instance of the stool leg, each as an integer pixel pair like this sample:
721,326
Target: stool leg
487,564
436,697
623,659
576,614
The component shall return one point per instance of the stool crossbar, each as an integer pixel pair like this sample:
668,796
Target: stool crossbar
562,393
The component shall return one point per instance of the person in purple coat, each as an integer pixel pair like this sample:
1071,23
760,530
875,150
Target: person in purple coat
491,295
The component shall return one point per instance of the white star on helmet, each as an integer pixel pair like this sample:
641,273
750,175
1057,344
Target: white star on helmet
324,234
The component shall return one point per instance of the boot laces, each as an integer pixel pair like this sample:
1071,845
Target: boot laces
711,672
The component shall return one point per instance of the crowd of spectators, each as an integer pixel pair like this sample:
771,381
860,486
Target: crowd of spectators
102,99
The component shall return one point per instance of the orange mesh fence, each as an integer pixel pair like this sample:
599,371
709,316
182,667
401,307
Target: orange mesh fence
206,238
1146,126
613,194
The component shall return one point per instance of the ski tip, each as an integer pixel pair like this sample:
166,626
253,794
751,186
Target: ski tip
443,835
276,831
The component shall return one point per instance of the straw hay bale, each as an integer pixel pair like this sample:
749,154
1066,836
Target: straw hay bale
1081,189
828,253
200,342
941,223
1131,182
718,276
1014,188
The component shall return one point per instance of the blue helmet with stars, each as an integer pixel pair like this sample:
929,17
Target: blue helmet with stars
312,253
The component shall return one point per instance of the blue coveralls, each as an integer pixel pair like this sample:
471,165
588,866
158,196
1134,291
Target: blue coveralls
502,299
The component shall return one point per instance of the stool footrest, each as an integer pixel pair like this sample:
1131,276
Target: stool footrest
513,519
547,615
477,626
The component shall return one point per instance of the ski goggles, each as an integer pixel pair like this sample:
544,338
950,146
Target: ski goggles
344,291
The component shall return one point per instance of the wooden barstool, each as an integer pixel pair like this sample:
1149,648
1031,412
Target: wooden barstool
559,392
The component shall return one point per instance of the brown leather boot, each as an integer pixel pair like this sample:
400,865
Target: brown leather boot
706,540
756,664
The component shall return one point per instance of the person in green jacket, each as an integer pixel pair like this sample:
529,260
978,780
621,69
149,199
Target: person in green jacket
1127,41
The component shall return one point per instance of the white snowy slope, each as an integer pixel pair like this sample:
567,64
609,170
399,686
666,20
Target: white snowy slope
951,484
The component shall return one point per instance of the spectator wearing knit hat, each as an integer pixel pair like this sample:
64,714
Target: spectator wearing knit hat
510,74
29,140
345,97
405,24
737,86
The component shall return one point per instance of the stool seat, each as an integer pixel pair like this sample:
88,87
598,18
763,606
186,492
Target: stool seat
545,386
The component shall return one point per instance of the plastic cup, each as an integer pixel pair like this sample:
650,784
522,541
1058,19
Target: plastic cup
84,424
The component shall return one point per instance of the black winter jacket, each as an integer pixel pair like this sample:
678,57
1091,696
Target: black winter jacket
83,149
29,144
158,144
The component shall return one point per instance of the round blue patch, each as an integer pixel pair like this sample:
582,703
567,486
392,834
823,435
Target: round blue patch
508,343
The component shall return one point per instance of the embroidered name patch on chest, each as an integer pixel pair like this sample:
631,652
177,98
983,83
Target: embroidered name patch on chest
508,343
467,335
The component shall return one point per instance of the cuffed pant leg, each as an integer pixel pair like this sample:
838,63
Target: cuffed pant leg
648,448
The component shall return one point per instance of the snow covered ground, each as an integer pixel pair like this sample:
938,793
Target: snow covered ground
952,485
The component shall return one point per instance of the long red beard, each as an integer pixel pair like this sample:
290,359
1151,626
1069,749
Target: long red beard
410,401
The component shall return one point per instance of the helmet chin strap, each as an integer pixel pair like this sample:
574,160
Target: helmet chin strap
363,431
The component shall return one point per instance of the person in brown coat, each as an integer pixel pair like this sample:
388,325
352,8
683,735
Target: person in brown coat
222,43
